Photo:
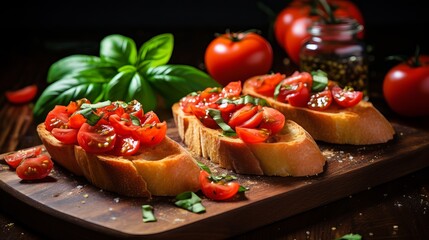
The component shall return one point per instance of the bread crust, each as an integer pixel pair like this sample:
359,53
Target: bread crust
292,152
166,169
362,124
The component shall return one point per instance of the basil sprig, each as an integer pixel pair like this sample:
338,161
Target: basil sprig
122,72
244,100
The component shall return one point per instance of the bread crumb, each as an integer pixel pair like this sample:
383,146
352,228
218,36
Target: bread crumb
116,200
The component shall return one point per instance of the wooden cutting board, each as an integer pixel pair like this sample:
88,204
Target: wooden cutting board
67,206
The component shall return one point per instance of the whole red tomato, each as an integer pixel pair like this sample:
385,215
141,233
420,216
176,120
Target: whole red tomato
290,26
238,56
406,87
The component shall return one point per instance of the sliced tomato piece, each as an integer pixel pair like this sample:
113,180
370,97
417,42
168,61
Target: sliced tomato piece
14,159
22,95
217,190
273,120
320,100
96,139
35,168
254,121
243,114
267,84
123,125
299,96
299,77
346,97
76,121
65,135
151,134
57,118
126,146
252,135
151,117
205,119
233,89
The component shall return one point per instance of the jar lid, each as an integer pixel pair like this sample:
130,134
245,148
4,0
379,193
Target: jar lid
347,26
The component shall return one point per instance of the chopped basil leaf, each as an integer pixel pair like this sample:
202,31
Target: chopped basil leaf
190,201
243,189
148,215
277,90
320,80
350,236
96,105
87,109
135,120
243,100
227,130
204,167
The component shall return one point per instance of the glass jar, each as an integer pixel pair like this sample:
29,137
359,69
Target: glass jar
336,49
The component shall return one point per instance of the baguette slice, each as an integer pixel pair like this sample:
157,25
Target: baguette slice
362,124
292,152
166,169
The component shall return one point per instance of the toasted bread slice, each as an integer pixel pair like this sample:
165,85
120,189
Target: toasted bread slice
166,169
362,124
292,152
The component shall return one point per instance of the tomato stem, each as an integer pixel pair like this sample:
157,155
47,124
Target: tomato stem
237,36
414,61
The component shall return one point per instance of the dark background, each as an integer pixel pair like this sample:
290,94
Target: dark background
69,27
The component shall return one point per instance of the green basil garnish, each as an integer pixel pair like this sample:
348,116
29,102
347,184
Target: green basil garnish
244,100
148,215
227,130
190,201
122,73
320,80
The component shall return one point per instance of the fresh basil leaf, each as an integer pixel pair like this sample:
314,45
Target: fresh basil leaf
216,115
190,201
130,85
204,167
350,236
244,100
320,80
70,65
65,90
148,216
118,50
155,52
243,189
176,81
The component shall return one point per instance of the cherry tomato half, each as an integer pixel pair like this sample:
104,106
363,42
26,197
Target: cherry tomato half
216,190
96,139
35,167
65,135
238,56
346,97
14,159
320,100
252,135
22,95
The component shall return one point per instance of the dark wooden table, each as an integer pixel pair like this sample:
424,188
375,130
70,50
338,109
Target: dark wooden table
395,210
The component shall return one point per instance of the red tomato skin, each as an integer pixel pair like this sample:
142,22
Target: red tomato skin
65,135
290,26
215,191
35,168
406,89
229,60
252,135
14,159
23,95
285,17
96,139
296,36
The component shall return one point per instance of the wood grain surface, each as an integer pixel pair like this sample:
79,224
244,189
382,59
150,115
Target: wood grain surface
72,208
